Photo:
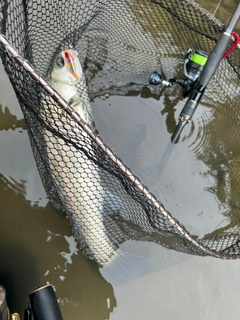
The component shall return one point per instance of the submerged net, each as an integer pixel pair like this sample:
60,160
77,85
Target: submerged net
120,43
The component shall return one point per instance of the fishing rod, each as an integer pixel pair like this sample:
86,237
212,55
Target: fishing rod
198,69
209,68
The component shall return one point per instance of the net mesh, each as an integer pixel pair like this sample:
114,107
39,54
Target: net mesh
120,43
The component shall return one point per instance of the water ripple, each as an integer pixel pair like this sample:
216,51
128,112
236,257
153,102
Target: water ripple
202,142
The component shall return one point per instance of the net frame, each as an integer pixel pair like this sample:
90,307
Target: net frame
199,247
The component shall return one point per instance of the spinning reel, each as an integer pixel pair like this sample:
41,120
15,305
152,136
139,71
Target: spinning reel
192,68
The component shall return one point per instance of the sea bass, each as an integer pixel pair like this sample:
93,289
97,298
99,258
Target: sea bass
76,177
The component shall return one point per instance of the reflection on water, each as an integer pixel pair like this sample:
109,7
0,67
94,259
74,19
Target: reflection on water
10,121
220,152
17,163
176,175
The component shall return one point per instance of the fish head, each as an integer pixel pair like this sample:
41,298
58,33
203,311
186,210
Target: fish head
66,67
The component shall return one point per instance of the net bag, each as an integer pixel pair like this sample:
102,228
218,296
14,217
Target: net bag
119,44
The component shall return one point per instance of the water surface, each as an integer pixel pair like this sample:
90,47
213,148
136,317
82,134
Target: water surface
36,244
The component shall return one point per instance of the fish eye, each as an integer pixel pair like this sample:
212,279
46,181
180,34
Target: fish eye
60,62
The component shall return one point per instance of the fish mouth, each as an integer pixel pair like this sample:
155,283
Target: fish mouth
69,57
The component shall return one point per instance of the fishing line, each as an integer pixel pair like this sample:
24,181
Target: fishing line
217,7
165,157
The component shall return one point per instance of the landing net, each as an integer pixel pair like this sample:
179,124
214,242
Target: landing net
120,43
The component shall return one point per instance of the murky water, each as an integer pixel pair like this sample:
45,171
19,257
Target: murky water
36,244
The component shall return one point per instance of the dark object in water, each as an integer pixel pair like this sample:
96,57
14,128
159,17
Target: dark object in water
4,312
44,304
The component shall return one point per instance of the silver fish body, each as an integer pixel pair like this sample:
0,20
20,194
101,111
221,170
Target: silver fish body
76,177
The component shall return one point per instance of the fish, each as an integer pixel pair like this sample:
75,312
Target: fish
94,200
76,177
